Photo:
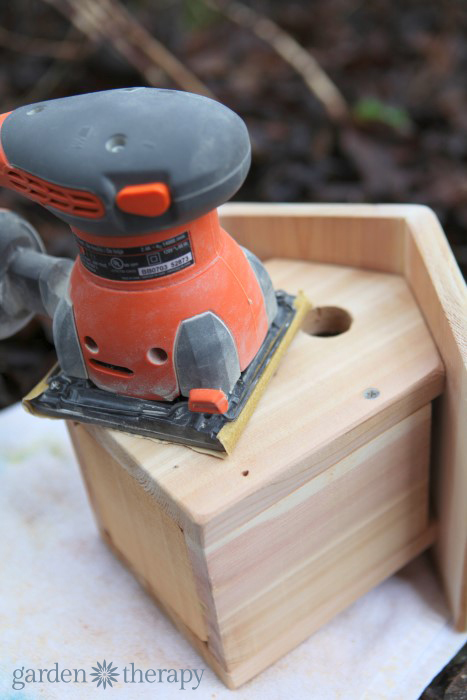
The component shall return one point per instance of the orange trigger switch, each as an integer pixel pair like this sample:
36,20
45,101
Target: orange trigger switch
208,401
150,199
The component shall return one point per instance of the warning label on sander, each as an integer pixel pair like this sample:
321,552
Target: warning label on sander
139,263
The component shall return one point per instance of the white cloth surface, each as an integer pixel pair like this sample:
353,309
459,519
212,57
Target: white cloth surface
64,598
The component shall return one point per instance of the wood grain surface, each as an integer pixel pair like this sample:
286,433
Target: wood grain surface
325,495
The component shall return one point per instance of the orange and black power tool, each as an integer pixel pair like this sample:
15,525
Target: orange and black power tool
164,324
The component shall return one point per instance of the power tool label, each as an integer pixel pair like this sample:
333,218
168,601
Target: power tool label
138,263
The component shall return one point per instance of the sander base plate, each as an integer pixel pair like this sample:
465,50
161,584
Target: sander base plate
61,396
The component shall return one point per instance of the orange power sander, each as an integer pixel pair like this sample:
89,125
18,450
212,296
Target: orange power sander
164,326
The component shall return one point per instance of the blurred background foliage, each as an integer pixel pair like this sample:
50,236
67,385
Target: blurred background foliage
345,100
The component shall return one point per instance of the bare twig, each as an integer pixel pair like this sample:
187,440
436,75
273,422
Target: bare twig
58,68
109,20
61,50
290,50
57,73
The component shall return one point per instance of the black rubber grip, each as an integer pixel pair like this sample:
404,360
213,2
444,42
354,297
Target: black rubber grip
104,141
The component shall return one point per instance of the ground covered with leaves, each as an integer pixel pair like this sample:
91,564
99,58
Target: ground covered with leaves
399,135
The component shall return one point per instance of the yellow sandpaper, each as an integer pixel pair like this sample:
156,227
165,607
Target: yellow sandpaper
230,433
37,391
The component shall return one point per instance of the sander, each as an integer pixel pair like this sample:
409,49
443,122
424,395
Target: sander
164,326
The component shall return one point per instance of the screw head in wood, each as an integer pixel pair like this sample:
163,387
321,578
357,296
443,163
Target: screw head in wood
371,393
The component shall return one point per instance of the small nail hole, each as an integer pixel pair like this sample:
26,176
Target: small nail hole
116,143
91,344
157,356
371,393
327,321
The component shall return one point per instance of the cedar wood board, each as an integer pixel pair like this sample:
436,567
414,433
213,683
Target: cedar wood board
406,240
